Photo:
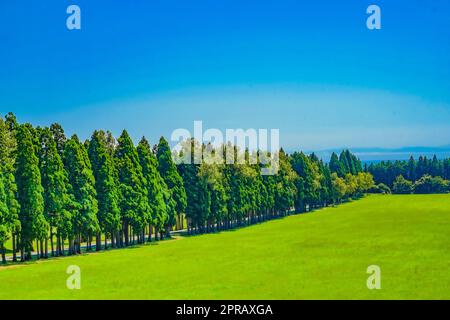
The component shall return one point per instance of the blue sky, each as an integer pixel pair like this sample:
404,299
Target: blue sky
310,68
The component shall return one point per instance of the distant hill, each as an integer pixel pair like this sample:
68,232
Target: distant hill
380,154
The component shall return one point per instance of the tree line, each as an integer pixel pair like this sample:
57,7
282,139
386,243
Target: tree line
423,175
57,192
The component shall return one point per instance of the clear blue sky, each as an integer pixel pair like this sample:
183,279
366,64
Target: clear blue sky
310,68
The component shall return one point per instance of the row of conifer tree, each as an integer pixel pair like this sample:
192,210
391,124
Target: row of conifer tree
413,170
60,195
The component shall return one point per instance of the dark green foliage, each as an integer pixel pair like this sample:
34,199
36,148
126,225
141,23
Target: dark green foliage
133,202
215,180
402,186
233,189
336,165
429,184
198,196
4,217
9,206
105,184
304,181
52,186
350,163
57,200
387,171
30,192
285,189
411,169
59,137
157,191
168,171
81,178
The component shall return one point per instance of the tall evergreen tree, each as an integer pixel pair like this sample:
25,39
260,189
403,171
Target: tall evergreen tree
336,165
304,181
286,190
30,193
270,186
133,194
59,137
325,184
57,199
154,187
4,217
435,167
198,196
84,220
106,188
446,169
168,171
171,209
9,222
411,173
211,176
11,122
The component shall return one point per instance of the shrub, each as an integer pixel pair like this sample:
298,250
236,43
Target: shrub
402,186
429,184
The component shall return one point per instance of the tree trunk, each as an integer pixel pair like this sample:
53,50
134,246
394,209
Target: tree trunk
79,243
41,244
149,239
37,249
3,254
51,242
46,249
126,235
71,243
98,242
58,244
112,239
168,231
14,247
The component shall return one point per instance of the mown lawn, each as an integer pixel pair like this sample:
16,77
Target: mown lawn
321,255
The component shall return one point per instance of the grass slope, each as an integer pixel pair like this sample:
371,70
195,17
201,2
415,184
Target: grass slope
320,255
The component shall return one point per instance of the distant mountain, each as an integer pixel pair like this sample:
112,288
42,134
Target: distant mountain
380,154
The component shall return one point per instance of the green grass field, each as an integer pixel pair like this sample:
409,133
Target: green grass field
322,255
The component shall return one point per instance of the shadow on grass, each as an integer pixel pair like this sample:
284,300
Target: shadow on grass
84,252
174,236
